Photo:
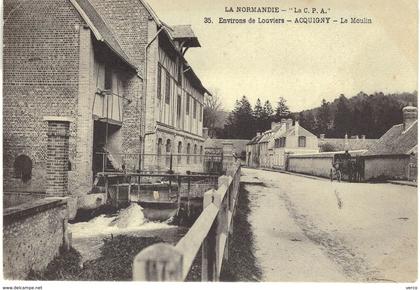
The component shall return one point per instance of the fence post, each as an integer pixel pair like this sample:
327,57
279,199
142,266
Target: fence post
221,230
208,247
188,197
159,262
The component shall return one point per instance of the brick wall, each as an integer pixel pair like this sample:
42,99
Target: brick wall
41,45
58,157
49,63
32,236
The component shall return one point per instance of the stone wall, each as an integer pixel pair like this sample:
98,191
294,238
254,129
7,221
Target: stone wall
32,235
318,164
314,165
387,167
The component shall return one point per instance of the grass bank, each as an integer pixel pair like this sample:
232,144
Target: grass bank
242,264
114,264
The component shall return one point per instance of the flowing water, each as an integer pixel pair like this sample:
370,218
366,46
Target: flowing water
88,236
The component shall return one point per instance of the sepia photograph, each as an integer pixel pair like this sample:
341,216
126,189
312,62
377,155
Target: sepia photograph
209,141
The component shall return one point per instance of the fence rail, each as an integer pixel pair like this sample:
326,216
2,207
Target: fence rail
210,232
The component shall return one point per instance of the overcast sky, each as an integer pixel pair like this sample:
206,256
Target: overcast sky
301,62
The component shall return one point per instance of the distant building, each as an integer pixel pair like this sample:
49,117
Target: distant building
270,148
253,151
291,139
396,151
239,145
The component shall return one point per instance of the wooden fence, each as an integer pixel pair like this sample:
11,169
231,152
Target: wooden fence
210,232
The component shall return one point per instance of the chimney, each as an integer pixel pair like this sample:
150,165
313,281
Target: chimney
296,127
363,137
258,134
283,123
322,136
205,133
289,123
409,116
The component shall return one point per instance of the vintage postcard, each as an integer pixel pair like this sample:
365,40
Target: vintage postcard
228,141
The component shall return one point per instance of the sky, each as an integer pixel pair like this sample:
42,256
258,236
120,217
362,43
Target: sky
303,63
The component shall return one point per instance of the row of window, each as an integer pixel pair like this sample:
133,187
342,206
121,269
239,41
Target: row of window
281,142
168,147
168,95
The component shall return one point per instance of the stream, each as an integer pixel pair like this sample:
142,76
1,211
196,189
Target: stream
87,237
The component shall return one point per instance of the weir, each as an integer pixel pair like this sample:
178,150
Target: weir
210,232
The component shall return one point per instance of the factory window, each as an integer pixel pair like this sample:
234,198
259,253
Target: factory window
159,82
187,107
159,146
201,153
179,152
195,153
200,116
302,141
195,109
168,146
108,78
180,72
188,153
23,168
168,88
178,110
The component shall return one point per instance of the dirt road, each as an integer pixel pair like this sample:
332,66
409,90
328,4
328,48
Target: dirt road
314,230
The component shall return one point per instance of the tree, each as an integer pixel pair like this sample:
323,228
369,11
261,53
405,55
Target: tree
268,109
343,118
267,116
212,112
323,117
240,123
258,115
307,121
282,110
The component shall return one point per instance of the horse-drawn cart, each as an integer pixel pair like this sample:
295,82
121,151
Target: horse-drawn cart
345,165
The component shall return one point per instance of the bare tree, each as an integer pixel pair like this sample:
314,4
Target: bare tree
212,112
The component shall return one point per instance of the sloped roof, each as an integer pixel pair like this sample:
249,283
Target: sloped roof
292,131
395,141
185,33
238,144
265,137
254,140
304,132
341,144
100,29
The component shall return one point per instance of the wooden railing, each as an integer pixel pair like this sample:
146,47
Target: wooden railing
210,232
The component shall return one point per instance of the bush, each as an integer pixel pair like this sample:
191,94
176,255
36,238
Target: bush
326,147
